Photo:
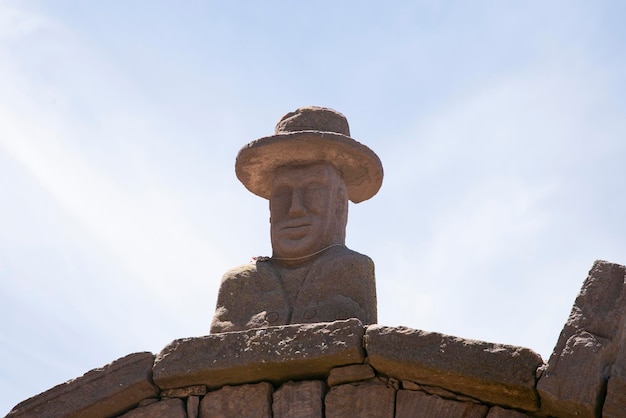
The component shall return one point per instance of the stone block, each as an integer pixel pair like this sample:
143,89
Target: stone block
446,394
615,402
410,404
148,401
352,373
168,408
193,406
574,381
245,401
299,399
363,400
408,385
107,391
197,390
498,412
274,354
493,373
392,383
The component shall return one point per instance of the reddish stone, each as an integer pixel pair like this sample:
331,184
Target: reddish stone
168,408
108,391
410,404
574,381
446,394
393,383
352,373
363,400
615,402
197,390
299,399
493,373
275,354
246,401
408,385
497,412
193,406
148,401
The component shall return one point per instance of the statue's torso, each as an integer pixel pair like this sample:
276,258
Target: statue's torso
338,284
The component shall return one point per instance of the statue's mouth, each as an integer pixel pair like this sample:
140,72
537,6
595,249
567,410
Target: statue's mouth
295,226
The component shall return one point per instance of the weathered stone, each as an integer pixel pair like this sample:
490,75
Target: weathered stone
110,390
246,401
308,170
352,373
573,383
498,412
299,399
493,373
576,386
363,400
410,404
197,390
446,394
148,401
393,383
408,385
275,354
615,402
167,408
193,406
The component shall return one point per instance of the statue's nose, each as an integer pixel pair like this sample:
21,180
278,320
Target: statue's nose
297,207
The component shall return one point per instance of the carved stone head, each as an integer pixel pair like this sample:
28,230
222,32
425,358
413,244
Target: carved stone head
308,170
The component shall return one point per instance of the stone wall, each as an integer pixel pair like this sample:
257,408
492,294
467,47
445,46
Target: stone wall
344,369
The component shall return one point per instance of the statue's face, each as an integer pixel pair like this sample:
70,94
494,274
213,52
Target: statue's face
308,210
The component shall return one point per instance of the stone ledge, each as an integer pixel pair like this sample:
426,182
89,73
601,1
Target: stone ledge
494,373
274,354
107,391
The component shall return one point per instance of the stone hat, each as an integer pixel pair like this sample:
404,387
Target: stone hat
309,135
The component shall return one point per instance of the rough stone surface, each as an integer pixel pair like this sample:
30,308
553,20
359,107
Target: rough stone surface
393,383
574,382
193,406
446,394
168,408
352,373
275,354
408,385
615,402
148,401
575,386
497,412
246,401
363,400
110,390
197,390
299,399
494,373
410,404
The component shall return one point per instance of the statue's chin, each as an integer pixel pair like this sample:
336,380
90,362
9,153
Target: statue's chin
296,247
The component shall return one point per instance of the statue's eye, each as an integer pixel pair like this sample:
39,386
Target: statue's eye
313,187
281,193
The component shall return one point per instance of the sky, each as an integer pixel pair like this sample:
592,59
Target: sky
500,126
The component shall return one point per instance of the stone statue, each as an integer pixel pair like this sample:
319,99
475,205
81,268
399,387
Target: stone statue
308,170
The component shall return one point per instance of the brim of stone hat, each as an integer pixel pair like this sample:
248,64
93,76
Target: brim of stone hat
360,167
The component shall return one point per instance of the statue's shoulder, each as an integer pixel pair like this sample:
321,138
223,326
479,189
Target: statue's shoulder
252,271
241,272
344,254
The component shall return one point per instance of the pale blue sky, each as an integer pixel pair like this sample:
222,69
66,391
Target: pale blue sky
500,126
